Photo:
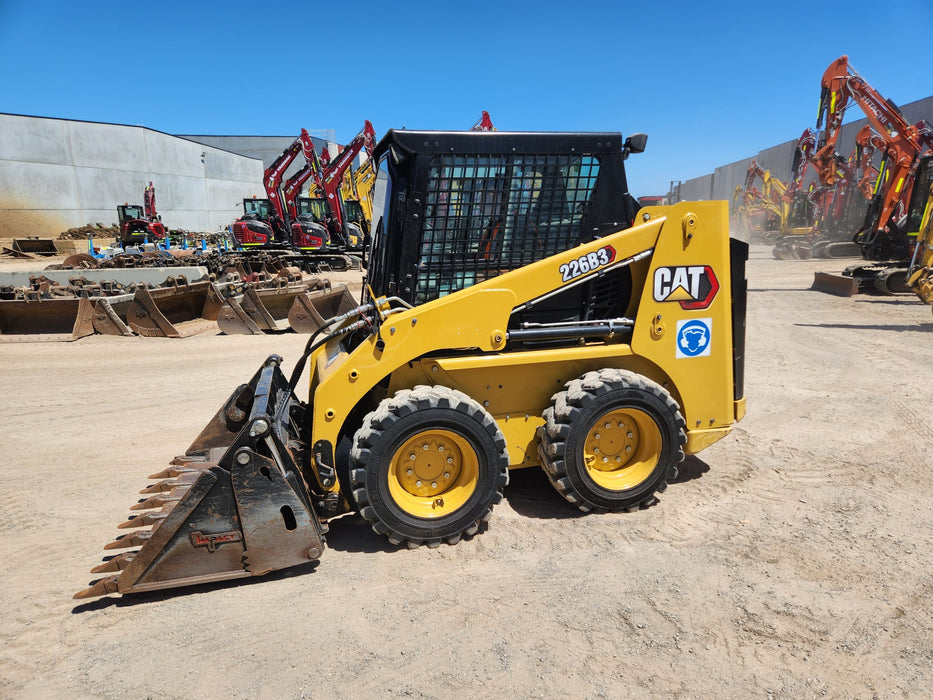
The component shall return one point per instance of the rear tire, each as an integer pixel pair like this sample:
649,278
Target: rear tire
427,466
611,440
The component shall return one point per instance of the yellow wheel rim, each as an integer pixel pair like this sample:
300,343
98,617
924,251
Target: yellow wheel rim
622,448
433,474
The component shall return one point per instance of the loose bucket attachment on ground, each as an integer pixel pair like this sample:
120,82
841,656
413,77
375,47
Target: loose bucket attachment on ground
260,310
234,505
173,310
35,246
156,312
312,310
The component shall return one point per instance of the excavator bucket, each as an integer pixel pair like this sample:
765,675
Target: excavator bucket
233,506
258,310
157,312
312,310
35,246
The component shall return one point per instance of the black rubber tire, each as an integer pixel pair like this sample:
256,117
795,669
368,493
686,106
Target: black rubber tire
573,415
374,464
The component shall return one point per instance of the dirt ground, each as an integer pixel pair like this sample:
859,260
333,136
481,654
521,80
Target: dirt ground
789,560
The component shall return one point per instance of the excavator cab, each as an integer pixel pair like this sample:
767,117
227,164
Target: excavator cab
259,227
923,181
135,228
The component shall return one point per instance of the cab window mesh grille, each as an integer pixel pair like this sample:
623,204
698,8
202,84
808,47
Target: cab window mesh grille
487,214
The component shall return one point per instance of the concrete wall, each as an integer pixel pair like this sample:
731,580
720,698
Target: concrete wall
57,174
721,183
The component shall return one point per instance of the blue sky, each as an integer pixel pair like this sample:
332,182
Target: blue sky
710,83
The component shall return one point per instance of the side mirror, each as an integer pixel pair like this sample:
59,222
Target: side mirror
634,144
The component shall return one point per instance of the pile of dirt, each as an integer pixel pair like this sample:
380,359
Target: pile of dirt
82,233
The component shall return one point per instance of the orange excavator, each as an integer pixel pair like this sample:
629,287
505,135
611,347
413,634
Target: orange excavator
883,237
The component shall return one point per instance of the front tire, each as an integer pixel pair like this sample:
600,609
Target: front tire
427,466
611,440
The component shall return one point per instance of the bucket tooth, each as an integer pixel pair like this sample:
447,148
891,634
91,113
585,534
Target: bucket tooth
183,479
142,520
114,563
104,586
132,539
157,501
177,470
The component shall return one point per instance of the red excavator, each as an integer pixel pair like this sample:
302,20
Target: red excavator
264,223
484,123
141,224
308,225
275,224
341,228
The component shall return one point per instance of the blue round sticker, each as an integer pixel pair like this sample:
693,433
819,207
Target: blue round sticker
693,338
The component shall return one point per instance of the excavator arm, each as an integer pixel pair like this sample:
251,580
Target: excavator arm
840,86
802,155
272,180
311,169
334,172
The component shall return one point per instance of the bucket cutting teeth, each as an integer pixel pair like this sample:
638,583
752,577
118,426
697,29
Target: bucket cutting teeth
176,471
160,500
132,539
185,479
184,464
142,520
104,586
115,563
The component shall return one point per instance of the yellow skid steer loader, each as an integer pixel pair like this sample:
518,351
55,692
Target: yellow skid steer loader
519,311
